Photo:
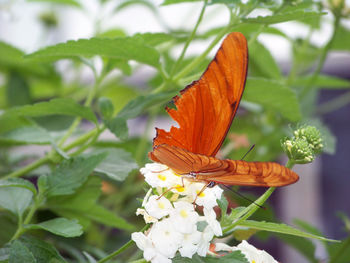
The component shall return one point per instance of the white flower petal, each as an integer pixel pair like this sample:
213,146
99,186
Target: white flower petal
184,218
210,218
165,238
255,255
158,207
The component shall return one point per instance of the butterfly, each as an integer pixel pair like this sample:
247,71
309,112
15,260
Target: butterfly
204,112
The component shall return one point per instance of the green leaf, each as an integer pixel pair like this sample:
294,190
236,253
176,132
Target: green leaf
342,39
4,254
323,81
121,48
59,226
339,252
18,182
118,127
106,107
11,59
28,135
117,165
262,62
134,108
71,174
171,2
223,204
273,95
19,253
61,2
304,246
283,17
233,257
16,195
153,39
43,252
82,206
52,107
89,257
17,90
281,228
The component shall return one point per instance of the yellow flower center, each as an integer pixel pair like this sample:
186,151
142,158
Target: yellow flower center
161,177
161,205
183,213
202,194
179,188
253,261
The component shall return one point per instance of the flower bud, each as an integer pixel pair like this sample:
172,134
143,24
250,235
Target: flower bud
312,135
298,150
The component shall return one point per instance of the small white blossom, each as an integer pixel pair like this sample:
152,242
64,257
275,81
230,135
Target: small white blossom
204,244
189,245
150,253
208,197
184,218
252,254
148,219
158,175
158,207
165,238
210,218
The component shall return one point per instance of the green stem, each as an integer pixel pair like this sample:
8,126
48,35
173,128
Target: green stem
28,168
89,99
248,211
334,104
122,249
189,40
199,59
83,138
19,230
322,60
91,142
141,148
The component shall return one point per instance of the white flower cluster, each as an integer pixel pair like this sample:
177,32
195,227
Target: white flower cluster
176,225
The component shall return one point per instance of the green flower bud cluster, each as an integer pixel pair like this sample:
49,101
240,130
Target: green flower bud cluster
304,146
312,135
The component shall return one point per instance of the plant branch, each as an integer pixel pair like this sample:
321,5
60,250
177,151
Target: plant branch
334,104
322,60
122,249
189,40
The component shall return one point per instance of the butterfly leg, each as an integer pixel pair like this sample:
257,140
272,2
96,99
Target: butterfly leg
210,184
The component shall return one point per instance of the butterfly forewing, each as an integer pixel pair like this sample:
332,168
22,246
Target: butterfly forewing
228,172
205,109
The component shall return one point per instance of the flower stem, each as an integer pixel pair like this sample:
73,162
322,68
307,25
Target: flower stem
322,60
189,40
248,211
199,59
334,104
28,168
122,249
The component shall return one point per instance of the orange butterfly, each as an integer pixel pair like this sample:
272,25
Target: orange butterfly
204,112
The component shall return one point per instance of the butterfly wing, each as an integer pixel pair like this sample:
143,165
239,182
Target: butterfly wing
206,108
228,172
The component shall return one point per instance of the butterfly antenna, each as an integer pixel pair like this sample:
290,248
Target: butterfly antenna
242,196
251,148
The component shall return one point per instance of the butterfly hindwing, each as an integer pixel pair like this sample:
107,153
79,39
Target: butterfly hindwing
228,172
